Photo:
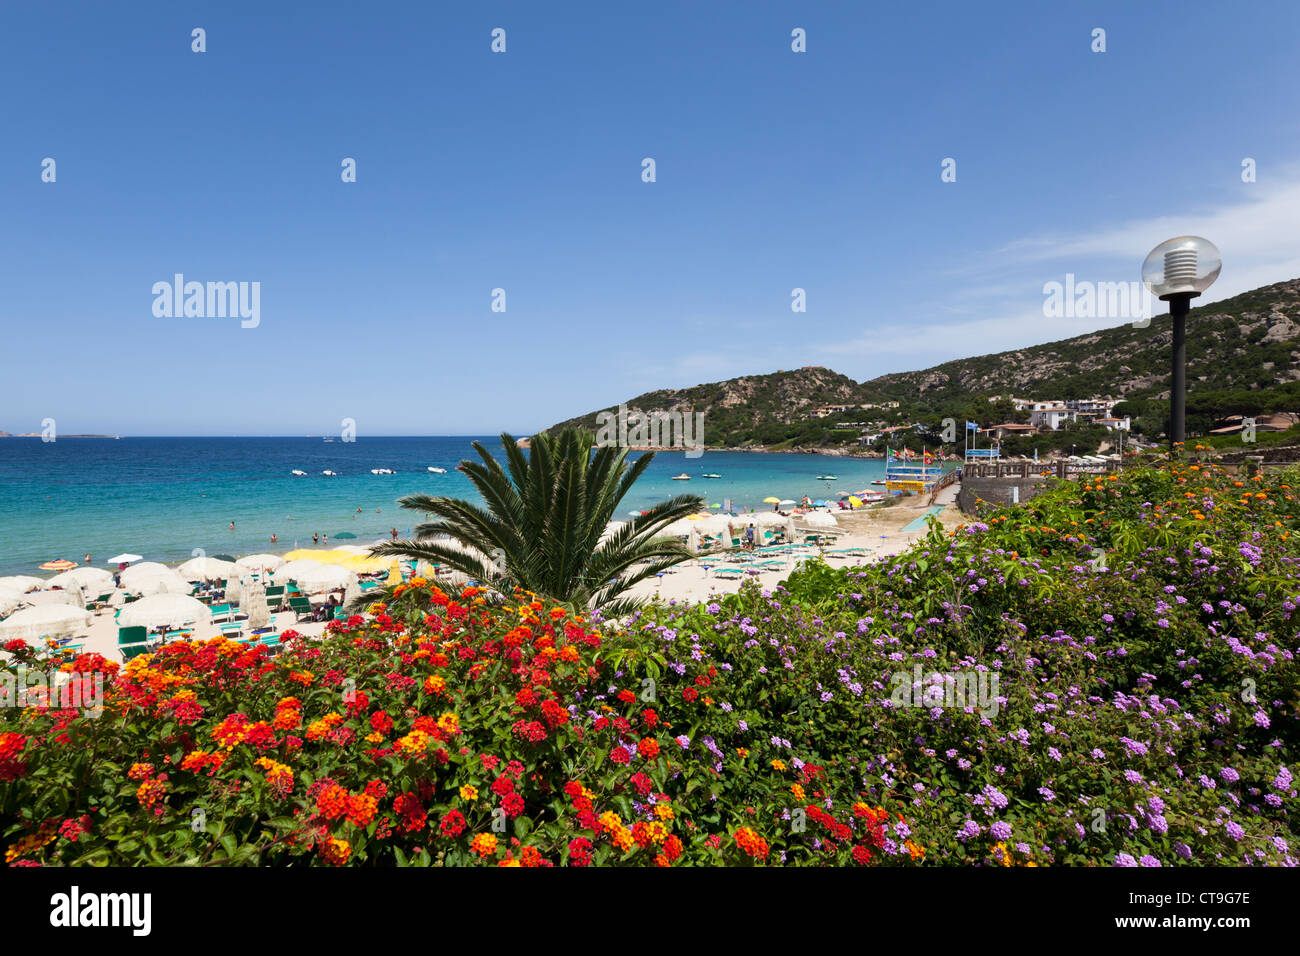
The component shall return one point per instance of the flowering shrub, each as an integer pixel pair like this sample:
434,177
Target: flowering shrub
1141,629
437,730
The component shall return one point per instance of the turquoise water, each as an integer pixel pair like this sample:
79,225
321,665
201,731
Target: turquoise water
165,497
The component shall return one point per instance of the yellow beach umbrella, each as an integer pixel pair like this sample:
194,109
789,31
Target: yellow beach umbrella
394,575
855,501
771,501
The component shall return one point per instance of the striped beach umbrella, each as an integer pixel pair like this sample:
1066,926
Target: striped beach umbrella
59,565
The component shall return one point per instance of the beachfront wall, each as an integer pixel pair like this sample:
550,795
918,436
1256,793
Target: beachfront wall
980,494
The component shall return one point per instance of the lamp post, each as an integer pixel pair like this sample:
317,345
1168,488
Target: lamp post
1177,271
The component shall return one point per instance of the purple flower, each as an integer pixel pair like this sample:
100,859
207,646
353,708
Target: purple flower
1000,831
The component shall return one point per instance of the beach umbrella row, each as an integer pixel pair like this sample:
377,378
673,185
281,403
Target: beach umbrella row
33,623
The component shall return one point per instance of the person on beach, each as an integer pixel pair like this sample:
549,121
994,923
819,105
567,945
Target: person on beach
232,526
325,540
315,538
273,538
87,557
749,538
394,534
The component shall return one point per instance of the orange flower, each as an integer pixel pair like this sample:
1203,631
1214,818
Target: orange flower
335,852
484,844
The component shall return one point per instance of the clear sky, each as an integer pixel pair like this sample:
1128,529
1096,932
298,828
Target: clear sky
522,171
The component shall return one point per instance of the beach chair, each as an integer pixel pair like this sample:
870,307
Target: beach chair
341,613
275,596
301,606
232,630
134,641
99,602
222,612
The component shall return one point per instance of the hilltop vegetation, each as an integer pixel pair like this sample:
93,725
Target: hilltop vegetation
1243,357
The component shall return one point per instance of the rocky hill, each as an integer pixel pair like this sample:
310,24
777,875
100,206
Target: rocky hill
1246,344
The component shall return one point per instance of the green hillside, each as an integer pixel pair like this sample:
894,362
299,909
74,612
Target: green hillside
1243,357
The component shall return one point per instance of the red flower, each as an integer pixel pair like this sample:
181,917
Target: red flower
620,755
453,824
513,804
579,852
649,748
626,696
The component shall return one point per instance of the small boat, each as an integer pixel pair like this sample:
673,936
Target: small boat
828,478
438,471
297,472
327,472
327,439
879,481
682,477
382,471
710,476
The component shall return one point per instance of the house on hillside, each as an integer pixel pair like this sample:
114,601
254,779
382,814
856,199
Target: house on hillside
1050,415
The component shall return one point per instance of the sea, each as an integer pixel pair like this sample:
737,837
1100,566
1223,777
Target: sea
168,499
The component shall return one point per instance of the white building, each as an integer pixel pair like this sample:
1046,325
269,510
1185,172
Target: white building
1051,415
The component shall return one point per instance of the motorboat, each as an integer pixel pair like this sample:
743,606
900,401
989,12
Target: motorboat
828,478
382,471
710,476
297,472
682,477
437,471
327,472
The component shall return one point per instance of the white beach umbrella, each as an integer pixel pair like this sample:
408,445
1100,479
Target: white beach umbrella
125,558
253,603
84,580
33,623
10,601
353,591
353,549
234,589
157,610
138,572
259,562
313,577
206,569
162,582
763,519
21,582
69,598
786,503
819,519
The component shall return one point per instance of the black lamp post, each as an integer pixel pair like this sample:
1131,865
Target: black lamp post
1177,271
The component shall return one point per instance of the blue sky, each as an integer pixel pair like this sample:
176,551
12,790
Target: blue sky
522,171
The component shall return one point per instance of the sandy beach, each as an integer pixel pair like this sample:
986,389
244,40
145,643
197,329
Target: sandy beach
878,531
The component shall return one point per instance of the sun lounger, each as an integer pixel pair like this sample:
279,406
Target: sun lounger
134,641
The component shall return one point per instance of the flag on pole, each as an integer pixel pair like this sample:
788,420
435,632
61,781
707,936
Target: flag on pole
972,427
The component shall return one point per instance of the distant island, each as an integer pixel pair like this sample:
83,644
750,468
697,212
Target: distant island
5,434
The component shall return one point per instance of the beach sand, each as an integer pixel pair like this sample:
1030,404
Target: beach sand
698,580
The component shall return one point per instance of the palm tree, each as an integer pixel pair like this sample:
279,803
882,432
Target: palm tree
545,518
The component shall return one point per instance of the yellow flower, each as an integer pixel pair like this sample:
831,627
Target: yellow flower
797,791
468,793
778,764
